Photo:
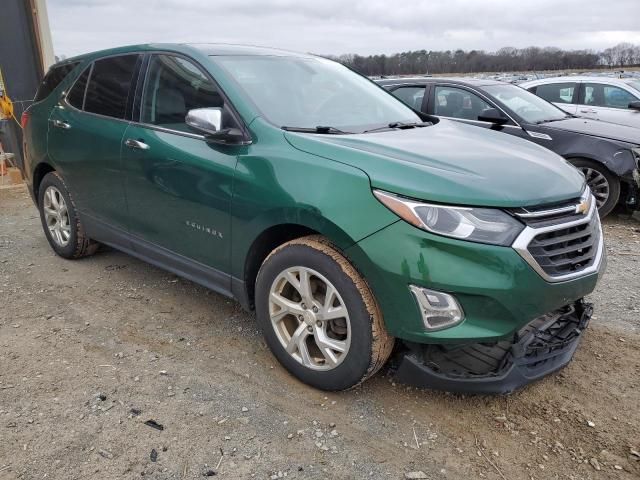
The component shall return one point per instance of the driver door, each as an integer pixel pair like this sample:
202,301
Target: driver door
463,105
178,186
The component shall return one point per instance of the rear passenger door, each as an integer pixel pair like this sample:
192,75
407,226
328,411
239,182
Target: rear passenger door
563,95
609,103
85,138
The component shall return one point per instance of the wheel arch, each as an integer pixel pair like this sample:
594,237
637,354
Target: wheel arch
619,162
42,169
272,237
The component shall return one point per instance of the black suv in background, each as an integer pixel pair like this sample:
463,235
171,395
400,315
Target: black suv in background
607,154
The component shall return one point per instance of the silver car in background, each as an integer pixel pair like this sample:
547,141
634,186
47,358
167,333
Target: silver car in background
615,100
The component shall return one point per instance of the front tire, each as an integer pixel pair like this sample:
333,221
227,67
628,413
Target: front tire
60,221
318,315
604,185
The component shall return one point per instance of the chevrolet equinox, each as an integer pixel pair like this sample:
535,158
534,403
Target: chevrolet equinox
354,226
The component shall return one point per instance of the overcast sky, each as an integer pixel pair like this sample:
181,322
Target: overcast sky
346,26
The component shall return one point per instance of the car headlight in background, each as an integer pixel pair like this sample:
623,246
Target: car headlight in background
483,225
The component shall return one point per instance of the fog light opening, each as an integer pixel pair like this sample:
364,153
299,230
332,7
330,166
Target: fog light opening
439,310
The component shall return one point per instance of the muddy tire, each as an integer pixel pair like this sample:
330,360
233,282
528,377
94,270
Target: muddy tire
319,316
60,221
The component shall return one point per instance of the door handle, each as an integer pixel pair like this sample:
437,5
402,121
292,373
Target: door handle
137,144
60,124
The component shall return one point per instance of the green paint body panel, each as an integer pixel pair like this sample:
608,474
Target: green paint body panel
277,184
210,203
179,194
498,291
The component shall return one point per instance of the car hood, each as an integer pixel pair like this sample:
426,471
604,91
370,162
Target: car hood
452,163
598,128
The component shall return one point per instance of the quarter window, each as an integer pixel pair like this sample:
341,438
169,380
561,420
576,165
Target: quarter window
173,87
76,94
110,85
600,95
556,92
459,103
52,79
412,96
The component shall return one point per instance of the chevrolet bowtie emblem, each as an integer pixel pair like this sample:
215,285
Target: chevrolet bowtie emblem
583,207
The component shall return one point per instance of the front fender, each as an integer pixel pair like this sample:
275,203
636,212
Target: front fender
277,184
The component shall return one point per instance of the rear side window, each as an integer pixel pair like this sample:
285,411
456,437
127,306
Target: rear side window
557,92
412,96
109,85
76,94
53,78
598,95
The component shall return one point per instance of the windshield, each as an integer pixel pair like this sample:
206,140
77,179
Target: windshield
531,108
307,92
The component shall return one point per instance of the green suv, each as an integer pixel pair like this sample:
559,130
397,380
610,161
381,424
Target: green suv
354,226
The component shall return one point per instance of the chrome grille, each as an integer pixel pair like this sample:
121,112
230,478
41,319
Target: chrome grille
566,250
562,245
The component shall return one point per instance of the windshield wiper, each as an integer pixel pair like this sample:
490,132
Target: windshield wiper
399,125
549,120
318,129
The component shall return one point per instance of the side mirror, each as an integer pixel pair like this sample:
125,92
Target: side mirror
635,105
205,120
493,115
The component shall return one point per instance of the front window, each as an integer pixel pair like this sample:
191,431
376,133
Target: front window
308,92
173,87
459,103
529,107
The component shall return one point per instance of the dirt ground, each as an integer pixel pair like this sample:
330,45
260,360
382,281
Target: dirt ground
92,350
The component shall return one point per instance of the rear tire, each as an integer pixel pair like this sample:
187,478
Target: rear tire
60,221
330,334
604,185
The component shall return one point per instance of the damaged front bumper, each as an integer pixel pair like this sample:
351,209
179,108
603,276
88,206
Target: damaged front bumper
541,347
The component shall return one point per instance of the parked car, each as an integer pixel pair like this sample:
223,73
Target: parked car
607,154
615,100
346,220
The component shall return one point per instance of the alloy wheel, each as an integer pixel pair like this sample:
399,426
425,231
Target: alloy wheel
310,318
56,216
598,184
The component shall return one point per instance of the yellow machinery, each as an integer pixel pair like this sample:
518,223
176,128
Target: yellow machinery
6,106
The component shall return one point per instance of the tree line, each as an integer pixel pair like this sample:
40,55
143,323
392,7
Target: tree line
504,60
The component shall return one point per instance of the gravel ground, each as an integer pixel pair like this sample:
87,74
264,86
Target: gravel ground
92,352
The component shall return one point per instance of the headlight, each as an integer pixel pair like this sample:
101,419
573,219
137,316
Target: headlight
483,225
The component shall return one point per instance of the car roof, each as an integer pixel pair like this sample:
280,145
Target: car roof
210,49
223,49
476,82
576,78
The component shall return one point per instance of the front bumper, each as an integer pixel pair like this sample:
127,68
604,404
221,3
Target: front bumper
543,346
499,292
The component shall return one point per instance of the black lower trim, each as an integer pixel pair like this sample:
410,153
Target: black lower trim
161,257
542,347
239,291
